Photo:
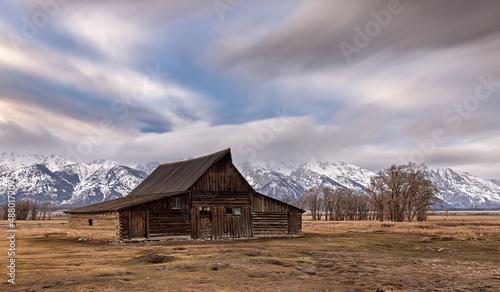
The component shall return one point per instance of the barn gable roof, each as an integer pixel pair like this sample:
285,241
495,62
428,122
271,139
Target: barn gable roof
167,180
177,176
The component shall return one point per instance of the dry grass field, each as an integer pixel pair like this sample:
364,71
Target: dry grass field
455,253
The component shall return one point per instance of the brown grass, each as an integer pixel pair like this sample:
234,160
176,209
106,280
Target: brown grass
448,255
456,227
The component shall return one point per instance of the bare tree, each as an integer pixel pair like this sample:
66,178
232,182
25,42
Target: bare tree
23,210
401,192
377,191
285,198
34,210
50,209
5,211
329,203
299,202
363,206
338,204
314,202
43,209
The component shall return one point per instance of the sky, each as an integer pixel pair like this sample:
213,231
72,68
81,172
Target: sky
372,83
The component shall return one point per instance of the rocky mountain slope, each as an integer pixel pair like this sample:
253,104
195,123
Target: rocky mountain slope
57,180
52,178
458,190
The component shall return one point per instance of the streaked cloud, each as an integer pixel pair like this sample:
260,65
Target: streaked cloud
171,79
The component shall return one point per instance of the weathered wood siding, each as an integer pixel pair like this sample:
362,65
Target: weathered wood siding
270,224
222,225
222,177
265,204
124,224
226,199
227,226
294,223
270,216
104,226
162,220
221,187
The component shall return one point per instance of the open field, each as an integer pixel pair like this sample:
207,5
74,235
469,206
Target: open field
455,253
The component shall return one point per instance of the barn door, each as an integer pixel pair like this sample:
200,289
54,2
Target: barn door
205,230
138,224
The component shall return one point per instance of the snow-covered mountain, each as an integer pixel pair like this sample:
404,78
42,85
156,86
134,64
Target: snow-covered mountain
278,178
465,190
458,190
53,178
57,180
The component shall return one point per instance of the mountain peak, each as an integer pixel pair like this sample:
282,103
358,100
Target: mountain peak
54,178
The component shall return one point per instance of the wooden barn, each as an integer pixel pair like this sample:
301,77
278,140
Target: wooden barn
205,197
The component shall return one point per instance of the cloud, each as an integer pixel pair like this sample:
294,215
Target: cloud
174,80
309,39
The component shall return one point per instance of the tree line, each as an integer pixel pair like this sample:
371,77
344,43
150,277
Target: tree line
398,193
29,210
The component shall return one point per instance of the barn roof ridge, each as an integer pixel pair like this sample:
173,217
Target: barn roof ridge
177,176
196,158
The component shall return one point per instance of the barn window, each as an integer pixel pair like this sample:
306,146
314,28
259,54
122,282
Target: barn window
176,203
233,211
90,222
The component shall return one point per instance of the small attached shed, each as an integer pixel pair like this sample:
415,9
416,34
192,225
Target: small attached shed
205,197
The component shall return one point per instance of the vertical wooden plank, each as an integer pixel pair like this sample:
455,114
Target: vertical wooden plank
194,220
147,224
129,223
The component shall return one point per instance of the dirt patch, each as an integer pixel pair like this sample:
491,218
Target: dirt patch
270,262
114,274
106,262
256,254
218,266
308,269
153,259
181,268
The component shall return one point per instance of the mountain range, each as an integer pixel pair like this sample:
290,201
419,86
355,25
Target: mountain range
53,178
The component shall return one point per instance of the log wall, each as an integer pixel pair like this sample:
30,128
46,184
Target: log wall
270,216
162,220
104,226
270,224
